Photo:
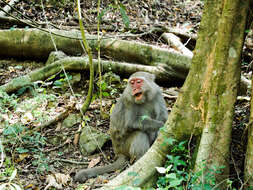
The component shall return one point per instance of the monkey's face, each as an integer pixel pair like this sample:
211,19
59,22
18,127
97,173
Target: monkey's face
137,89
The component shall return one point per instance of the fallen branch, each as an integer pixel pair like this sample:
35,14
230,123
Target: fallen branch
175,42
36,44
59,117
69,161
163,73
180,32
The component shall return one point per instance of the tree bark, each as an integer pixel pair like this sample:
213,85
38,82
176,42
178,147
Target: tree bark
220,85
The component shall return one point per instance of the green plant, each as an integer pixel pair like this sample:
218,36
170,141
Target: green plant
204,178
59,83
107,85
104,88
16,135
7,102
18,140
41,162
116,6
174,173
8,167
177,173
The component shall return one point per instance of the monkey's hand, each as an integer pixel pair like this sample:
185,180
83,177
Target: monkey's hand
149,124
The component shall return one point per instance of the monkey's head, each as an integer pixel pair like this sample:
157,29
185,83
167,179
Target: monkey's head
141,88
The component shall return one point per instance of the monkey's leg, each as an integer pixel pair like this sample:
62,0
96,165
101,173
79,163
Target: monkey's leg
152,137
139,144
84,174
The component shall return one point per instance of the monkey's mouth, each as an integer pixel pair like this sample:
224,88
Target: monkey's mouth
138,96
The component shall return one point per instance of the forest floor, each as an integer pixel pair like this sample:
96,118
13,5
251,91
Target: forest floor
53,150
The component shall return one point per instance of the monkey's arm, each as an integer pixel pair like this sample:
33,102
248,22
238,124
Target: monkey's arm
145,123
149,124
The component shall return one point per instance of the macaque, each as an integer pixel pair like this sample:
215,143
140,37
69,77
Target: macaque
134,123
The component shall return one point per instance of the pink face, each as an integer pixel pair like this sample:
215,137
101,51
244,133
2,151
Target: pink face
136,85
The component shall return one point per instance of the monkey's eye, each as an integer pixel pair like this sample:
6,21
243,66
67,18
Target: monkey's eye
132,81
138,81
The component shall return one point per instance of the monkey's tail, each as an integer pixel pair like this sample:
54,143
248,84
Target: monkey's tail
84,174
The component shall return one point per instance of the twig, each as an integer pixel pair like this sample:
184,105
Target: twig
69,161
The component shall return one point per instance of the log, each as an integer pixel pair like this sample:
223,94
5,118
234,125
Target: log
162,73
175,42
36,44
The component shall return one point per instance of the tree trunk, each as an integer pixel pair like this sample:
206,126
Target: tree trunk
220,84
206,103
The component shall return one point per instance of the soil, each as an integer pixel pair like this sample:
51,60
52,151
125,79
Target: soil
49,158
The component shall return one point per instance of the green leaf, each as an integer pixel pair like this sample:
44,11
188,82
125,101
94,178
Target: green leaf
169,141
52,77
124,15
57,83
103,86
175,183
22,90
102,13
13,175
22,150
171,176
208,187
105,94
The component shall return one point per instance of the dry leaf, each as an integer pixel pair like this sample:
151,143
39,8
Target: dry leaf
22,156
52,182
27,117
94,162
57,180
58,128
62,178
76,139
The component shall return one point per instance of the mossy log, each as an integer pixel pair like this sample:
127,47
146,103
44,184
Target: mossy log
36,44
82,63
